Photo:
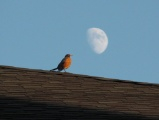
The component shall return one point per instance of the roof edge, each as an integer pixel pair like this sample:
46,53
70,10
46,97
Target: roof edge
79,75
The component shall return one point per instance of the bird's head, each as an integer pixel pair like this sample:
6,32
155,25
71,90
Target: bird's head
68,55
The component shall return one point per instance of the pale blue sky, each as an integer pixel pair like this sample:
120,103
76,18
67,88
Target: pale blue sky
38,33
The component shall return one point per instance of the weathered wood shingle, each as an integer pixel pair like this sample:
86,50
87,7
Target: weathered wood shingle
27,93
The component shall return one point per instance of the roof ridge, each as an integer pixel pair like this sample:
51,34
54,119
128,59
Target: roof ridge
79,75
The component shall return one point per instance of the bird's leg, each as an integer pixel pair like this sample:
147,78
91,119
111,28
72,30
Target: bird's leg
64,70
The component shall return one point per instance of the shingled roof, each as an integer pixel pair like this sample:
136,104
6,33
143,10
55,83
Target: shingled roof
41,94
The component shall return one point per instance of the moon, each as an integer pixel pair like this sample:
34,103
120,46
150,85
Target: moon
97,39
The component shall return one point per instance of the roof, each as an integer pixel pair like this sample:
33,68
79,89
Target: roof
31,93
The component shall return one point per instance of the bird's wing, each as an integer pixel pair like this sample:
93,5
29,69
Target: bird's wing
61,64
62,61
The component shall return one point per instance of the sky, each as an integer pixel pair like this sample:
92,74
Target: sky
37,34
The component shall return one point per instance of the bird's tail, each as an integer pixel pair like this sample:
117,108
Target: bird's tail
53,69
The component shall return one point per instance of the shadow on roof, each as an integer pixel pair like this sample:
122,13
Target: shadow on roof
11,108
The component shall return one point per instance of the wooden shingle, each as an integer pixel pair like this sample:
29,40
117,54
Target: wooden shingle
40,94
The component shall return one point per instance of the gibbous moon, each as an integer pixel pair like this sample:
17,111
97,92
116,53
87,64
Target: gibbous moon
97,39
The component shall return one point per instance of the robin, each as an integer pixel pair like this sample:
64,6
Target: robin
64,64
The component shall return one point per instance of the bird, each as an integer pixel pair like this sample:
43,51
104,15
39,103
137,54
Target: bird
64,64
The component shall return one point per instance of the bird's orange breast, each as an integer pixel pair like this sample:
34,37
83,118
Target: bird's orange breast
67,62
